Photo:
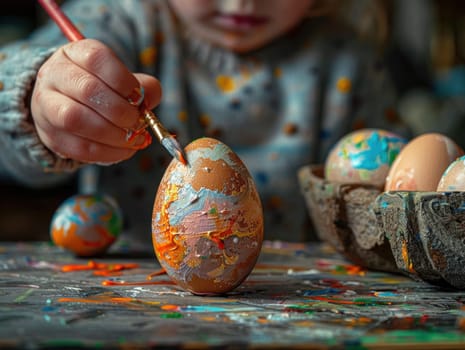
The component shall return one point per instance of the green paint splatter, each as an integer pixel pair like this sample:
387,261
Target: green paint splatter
340,268
300,308
354,346
24,296
69,343
172,315
414,336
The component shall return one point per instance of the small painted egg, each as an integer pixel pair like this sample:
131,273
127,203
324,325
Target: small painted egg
453,178
86,225
363,157
421,163
207,222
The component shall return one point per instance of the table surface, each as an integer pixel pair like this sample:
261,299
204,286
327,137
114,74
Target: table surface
298,296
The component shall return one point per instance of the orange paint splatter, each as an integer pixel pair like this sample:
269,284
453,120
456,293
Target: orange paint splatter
101,269
219,242
181,157
290,129
205,120
344,85
182,116
96,300
148,56
170,307
156,273
406,258
355,270
171,252
225,83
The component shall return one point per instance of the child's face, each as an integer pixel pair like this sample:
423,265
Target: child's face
240,25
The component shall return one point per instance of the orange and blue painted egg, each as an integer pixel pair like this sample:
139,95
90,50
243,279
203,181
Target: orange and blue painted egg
207,222
86,225
364,157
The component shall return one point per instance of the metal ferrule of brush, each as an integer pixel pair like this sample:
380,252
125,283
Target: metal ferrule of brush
156,126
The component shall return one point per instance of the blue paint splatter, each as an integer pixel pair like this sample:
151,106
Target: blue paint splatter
202,308
326,291
378,152
261,177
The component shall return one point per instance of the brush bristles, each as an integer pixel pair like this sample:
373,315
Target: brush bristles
173,147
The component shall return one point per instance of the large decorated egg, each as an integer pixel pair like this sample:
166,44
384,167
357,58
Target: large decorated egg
207,219
86,225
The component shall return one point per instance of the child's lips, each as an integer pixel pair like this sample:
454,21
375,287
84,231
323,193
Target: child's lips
238,22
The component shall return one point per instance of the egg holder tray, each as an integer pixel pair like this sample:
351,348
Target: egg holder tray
419,234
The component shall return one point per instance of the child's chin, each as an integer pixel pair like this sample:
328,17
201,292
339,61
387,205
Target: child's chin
241,47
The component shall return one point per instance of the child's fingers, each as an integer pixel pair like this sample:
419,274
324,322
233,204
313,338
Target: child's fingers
59,112
89,90
99,60
152,88
83,150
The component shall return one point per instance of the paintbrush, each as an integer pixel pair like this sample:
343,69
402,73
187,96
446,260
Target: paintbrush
73,34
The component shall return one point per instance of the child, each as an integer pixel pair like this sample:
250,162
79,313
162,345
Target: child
278,81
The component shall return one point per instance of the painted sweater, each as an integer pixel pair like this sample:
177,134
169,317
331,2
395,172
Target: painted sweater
279,108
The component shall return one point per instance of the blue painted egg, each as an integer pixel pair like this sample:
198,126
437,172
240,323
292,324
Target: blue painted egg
363,157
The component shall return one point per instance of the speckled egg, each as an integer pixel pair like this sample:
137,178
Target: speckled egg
86,225
207,222
363,157
422,162
453,178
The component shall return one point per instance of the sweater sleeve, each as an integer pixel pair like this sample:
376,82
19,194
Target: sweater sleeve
24,158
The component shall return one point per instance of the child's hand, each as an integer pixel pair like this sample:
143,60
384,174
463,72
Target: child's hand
80,104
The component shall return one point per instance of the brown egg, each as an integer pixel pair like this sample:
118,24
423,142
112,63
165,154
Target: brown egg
207,223
421,163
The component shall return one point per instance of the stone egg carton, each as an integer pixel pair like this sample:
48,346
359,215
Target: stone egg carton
420,234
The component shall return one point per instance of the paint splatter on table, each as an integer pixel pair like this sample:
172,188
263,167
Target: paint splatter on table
301,296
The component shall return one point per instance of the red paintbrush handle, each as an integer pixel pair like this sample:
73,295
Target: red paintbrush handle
63,22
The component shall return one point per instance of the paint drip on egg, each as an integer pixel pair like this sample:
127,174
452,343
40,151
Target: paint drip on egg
207,222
